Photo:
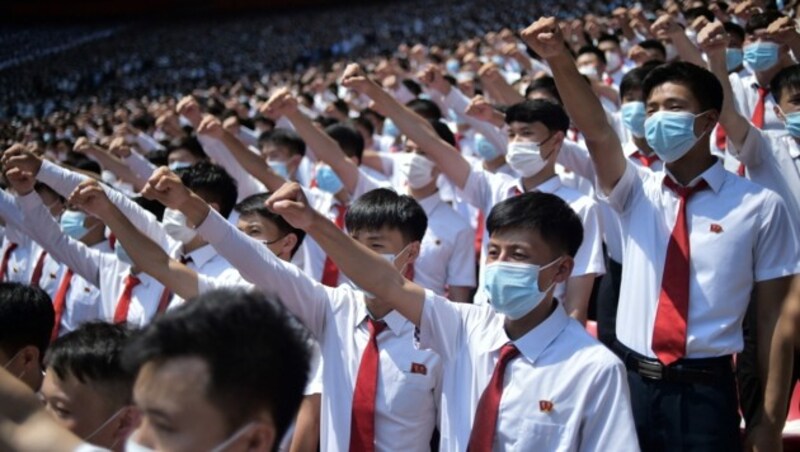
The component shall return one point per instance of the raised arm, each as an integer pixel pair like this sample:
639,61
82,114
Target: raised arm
146,254
447,158
367,269
253,163
282,103
544,36
110,161
714,40
666,27
504,93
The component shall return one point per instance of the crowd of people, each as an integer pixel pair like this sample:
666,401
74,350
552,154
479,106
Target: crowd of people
447,227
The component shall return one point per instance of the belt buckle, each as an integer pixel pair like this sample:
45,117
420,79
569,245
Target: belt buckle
651,370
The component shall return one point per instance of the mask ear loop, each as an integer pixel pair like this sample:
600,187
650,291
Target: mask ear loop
546,266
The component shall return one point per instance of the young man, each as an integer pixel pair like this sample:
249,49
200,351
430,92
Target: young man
189,383
536,131
86,388
680,315
380,392
565,391
26,321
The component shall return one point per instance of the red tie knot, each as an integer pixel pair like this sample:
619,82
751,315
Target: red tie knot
375,326
684,192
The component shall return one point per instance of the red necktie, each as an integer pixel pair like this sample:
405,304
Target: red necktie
485,424
757,119
669,332
647,161
38,269
722,137
6,257
60,302
362,422
479,231
124,303
330,273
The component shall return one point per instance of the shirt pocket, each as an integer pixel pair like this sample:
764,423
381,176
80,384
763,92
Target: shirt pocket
84,305
542,436
410,394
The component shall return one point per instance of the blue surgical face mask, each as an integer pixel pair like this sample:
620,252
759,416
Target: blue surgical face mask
328,181
633,116
389,129
733,58
671,134
280,168
122,255
513,288
793,123
72,224
761,56
175,166
484,148
453,66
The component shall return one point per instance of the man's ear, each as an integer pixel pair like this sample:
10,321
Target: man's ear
564,269
128,421
30,356
779,113
289,242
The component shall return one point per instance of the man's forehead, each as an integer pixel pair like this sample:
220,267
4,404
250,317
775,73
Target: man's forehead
171,383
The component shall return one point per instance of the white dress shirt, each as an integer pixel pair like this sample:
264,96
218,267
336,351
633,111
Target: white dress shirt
447,253
246,184
82,303
484,190
773,160
313,255
559,363
406,401
739,234
745,92
101,269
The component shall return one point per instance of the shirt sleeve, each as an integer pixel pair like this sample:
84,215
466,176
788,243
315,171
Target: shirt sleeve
62,180
81,259
304,297
589,258
461,268
367,183
478,190
777,242
457,101
248,136
608,423
140,166
246,184
148,143
751,151
575,158
9,210
623,194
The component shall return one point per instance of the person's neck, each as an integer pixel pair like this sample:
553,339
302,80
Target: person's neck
494,164
515,329
91,239
377,309
530,183
423,192
642,146
195,244
693,164
343,197
764,78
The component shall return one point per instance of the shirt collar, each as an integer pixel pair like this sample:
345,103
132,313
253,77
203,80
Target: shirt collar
549,186
630,148
429,203
534,342
201,256
714,176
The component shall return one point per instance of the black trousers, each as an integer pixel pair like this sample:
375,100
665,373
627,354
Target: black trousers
685,417
607,302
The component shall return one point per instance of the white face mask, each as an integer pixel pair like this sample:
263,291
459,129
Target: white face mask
419,171
174,223
589,71
525,157
613,61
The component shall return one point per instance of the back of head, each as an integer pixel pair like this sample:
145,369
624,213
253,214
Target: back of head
546,214
384,208
703,85
348,138
701,11
444,132
653,44
26,318
92,354
760,21
548,113
734,29
785,80
425,108
254,205
286,138
601,56
190,144
212,183
546,84
256,353
633,80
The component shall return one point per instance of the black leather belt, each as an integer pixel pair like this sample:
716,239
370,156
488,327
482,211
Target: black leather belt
700,371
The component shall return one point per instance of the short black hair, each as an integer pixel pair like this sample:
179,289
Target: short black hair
254,205
593,50
608,37
26,318
545,83
760,21
412,86
693,13
633,80
703,85
425,108
150,205
93,355
544,213
444,132
190,144
212,183
350,141
284,138
787,78
381,208
363,122
654,44
548,113
257,354
734,29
